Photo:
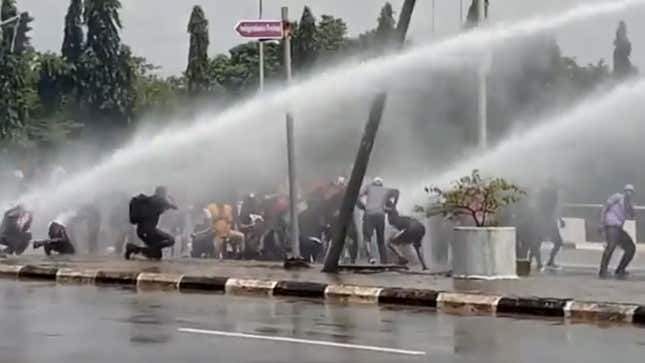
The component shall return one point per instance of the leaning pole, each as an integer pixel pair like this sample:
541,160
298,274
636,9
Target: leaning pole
363,156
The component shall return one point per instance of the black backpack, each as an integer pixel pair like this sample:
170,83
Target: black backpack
138,208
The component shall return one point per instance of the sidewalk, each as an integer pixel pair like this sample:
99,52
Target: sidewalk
574,293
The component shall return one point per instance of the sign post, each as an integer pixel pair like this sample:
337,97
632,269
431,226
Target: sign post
260,29
261,53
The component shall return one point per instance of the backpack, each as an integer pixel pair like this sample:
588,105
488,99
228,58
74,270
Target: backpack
138,208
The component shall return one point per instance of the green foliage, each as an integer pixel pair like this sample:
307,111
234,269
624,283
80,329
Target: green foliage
198,63
14,96
332,33
52,73
72,48
22,42
472,18
623,67
305,42
479,198
238,72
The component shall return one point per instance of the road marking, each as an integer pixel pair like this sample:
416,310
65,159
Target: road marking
302,341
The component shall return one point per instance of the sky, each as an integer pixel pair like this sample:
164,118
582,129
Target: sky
156,29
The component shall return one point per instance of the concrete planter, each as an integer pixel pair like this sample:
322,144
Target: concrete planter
486,253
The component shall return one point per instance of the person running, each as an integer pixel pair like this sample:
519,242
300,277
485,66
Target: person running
59,240
618,209
550,220
145,212
411,233
376,197
14,231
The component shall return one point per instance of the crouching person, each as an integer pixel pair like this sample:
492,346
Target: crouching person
202,245
59,240
411,232
14,232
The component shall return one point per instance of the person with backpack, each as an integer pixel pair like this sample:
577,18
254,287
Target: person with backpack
145,212
376,196
411,233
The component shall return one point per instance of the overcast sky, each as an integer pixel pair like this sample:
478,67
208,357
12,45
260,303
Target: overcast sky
156,29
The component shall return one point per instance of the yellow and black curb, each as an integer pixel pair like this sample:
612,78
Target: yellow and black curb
443,301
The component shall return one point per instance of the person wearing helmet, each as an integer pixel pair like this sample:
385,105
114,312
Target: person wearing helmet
411,233
619,208
372,201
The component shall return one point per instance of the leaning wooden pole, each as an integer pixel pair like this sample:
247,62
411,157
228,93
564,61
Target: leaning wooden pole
363,157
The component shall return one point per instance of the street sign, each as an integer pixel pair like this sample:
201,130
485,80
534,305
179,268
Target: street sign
260,29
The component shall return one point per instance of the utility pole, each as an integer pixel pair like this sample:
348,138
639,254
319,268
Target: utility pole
483,86
293,186
261,51
363,156
16,20
434,15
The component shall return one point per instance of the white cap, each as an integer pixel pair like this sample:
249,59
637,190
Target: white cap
378,180
629,188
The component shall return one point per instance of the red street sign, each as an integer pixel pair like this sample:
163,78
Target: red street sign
260,29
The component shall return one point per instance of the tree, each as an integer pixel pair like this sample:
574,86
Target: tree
106,76
332,34
386,28
237,72
623,49
22,42
305,42
51,76
197,70
72,48
8,11
472,18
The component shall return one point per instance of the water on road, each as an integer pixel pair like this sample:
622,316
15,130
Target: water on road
43,322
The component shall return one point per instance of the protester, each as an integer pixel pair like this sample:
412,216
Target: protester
618,209
411,233
145,212
376,197
59,240
550,220
15,232
203,237
229,243
251,223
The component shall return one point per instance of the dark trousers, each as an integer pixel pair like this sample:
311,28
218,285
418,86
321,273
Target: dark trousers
59,240
616,236
371,223
155,240
16,242
551,232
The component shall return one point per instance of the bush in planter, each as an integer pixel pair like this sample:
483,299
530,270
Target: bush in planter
480,198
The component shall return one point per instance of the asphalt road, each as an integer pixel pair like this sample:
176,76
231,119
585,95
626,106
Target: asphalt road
42,322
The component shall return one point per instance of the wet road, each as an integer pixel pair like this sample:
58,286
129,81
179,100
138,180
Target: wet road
42,322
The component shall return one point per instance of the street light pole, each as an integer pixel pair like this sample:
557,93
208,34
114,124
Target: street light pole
483,86
261,51
293,187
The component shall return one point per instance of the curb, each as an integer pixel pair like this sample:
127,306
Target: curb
450,302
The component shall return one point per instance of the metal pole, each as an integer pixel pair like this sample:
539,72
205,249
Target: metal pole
293,188
363,156
434,16
483,87
261,51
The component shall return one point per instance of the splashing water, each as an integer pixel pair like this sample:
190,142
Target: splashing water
606,130
185,153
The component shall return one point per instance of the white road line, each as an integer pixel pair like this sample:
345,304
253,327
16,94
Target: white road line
302,341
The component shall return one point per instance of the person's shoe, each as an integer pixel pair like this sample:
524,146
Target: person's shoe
553,266
621,274
540,268
372,261
602,274
130,249
48,249
38,244
403,261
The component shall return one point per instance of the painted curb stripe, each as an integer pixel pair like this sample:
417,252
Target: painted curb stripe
69,275
639,315
38,272
468,303
203,283
300,289
348,293
158,280
116,277
411,297
532,306
253,287
10,270
590,311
